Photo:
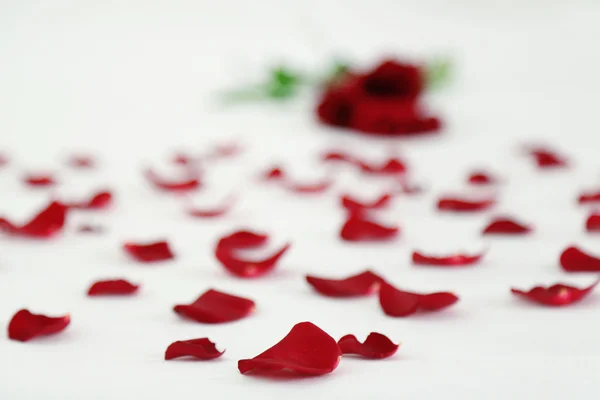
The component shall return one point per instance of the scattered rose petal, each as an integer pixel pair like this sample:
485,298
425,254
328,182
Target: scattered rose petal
481,178
218,211
274,173
112,287
306,350
98,201
592,224
545,158
376,346
359,228
398,303
446,261
575,260
202,349
506,226
214,307
39,180
229,245
149,252
25,326
309,188
45,224
393,166
185,185
462,205
362,284
87,228
338,156
587,198
354,205
555,295
81,161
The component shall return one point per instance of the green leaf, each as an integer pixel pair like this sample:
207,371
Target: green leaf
438,73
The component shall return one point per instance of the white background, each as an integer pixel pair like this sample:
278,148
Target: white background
133,81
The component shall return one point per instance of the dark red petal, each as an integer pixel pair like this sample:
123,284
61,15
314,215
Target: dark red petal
453,260
212,213
547,159
215,307
150,252
506,226
575,260
376,346
358,228
87,228
592,197
81,161
98,201
112,287
39,180
172,186
45,224
463,205
308,188
274,173
555,295
398,303
481,178
306,350
362,284
202,349
393,166
352,204
244,240
592,224
25,326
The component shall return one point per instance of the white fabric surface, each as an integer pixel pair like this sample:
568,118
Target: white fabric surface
132,81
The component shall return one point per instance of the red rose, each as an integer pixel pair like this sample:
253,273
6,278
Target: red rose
382,101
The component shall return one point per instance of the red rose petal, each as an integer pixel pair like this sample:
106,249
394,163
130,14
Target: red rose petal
308,188
25,326
447,261
555,295
575,260
358,228
214,307
398,303
228,246
112,287
545,158
150,252
376,346
393,166
81,161
39,180
338,156
212,213
306,350
592,197
202,349
481,178
506,226
274,173
362,284
592,224
98,201
462,205
45,224
189,184
354,205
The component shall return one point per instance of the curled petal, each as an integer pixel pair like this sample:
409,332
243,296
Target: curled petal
185,185
591,197
463,205
393,166
25,326
338,156
575,260
555,295
212,213
149,252
376,346
306,350
358,228
353,205
398,303
308,188
39,180
228,246
357,285
545,158
592,224
214,307
45,224
98,201
481,178
202,349
447,261
112,287
506,226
